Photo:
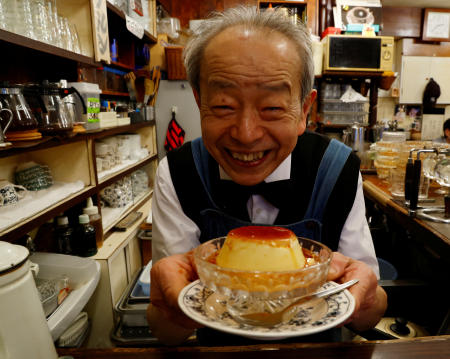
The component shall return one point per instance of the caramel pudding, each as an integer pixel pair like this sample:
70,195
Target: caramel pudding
261,248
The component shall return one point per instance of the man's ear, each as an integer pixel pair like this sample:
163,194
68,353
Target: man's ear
197,97
306,107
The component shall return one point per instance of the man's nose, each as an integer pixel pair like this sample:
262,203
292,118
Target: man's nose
247,128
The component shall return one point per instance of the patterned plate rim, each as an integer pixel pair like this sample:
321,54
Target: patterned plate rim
266,333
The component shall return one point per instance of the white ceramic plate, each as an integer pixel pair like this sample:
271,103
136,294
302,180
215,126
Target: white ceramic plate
207,308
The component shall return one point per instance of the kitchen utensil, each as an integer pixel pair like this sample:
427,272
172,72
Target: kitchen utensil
156,78
353,137
3,130
11,97
54,115
28,338
414,172
268,319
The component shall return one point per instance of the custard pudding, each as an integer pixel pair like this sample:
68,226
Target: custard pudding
261,248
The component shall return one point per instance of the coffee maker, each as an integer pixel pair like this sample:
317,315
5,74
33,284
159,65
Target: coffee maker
23,125
54,114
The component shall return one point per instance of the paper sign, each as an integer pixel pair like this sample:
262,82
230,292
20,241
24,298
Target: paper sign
134,27
432,127
100,30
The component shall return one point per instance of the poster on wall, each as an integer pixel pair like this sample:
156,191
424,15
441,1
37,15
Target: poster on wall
100,30
354,15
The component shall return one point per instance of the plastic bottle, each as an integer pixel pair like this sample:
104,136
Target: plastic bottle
95,220
64,235
114,51
85,237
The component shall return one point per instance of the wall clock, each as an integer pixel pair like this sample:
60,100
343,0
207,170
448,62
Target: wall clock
436,25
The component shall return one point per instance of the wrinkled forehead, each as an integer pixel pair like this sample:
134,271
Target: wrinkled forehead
251,48
241,36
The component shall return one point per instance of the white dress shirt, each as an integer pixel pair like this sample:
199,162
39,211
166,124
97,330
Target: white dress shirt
174,232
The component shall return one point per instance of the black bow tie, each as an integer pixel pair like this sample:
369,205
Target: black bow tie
234,197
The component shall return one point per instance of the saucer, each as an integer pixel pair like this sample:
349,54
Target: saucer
208,308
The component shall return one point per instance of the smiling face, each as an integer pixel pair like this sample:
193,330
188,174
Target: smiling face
249,102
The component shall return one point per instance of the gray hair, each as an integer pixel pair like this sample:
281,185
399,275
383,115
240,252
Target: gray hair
248,16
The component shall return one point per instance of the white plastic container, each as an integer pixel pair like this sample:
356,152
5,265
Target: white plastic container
90,93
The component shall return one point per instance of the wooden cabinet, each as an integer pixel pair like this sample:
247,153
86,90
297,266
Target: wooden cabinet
415,73
72,158
306,10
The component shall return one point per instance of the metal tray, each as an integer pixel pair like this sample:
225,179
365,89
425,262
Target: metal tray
132,311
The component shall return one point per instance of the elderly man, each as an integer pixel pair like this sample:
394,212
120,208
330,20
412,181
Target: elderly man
252,77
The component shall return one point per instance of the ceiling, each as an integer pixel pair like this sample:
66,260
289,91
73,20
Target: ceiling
418,3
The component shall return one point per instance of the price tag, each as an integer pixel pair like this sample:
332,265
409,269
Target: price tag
134,27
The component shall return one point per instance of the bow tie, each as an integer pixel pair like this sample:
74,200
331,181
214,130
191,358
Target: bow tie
234,197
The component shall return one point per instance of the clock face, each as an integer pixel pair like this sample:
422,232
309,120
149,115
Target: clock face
438,25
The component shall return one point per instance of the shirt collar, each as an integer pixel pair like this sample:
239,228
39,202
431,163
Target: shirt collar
282,172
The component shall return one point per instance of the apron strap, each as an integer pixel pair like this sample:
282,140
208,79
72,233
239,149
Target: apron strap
201,160
332,163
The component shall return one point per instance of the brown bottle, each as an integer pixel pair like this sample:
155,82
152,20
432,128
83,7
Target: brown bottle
95,220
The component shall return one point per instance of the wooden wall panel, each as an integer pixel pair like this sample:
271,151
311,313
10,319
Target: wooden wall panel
413,47
402,21
199,9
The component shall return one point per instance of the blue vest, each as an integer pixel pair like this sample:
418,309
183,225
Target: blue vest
193,179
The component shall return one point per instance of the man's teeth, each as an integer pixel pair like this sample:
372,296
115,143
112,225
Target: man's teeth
248,157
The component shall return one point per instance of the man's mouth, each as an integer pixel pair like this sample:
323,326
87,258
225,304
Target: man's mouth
247,157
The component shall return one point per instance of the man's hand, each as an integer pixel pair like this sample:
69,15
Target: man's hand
370,299
168,277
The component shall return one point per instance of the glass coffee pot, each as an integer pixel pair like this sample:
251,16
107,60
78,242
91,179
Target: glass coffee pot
48,102
11,97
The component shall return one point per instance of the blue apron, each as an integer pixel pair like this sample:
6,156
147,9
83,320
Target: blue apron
215,223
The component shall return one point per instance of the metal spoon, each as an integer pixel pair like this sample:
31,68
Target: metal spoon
271,319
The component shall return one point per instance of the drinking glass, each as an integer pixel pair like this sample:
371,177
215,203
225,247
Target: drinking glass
66,39
53,23
3,23
442,173
40,21
75,38
24,19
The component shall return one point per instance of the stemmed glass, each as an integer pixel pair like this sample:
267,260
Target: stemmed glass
442,174
429,164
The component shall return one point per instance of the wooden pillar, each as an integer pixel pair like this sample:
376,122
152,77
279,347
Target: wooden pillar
373,98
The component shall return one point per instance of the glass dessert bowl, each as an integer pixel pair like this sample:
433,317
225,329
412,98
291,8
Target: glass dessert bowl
249,295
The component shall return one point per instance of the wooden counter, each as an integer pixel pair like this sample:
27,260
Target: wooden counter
417,348
435,236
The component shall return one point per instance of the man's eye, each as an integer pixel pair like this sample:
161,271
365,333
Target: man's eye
222,109
272,108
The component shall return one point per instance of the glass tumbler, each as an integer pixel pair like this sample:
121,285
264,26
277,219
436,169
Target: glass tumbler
40,21
24,19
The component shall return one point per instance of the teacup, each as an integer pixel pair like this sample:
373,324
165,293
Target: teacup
11,193
102,149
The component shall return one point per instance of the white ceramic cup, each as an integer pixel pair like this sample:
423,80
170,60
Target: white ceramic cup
11,193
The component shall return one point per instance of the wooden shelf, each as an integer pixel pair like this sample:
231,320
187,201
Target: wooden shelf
114,240
297,2
122,65
105,132
359,74
120,14
114,93
25,226
47,142
39,46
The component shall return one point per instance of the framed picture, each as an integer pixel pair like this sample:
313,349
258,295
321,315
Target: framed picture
436,25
